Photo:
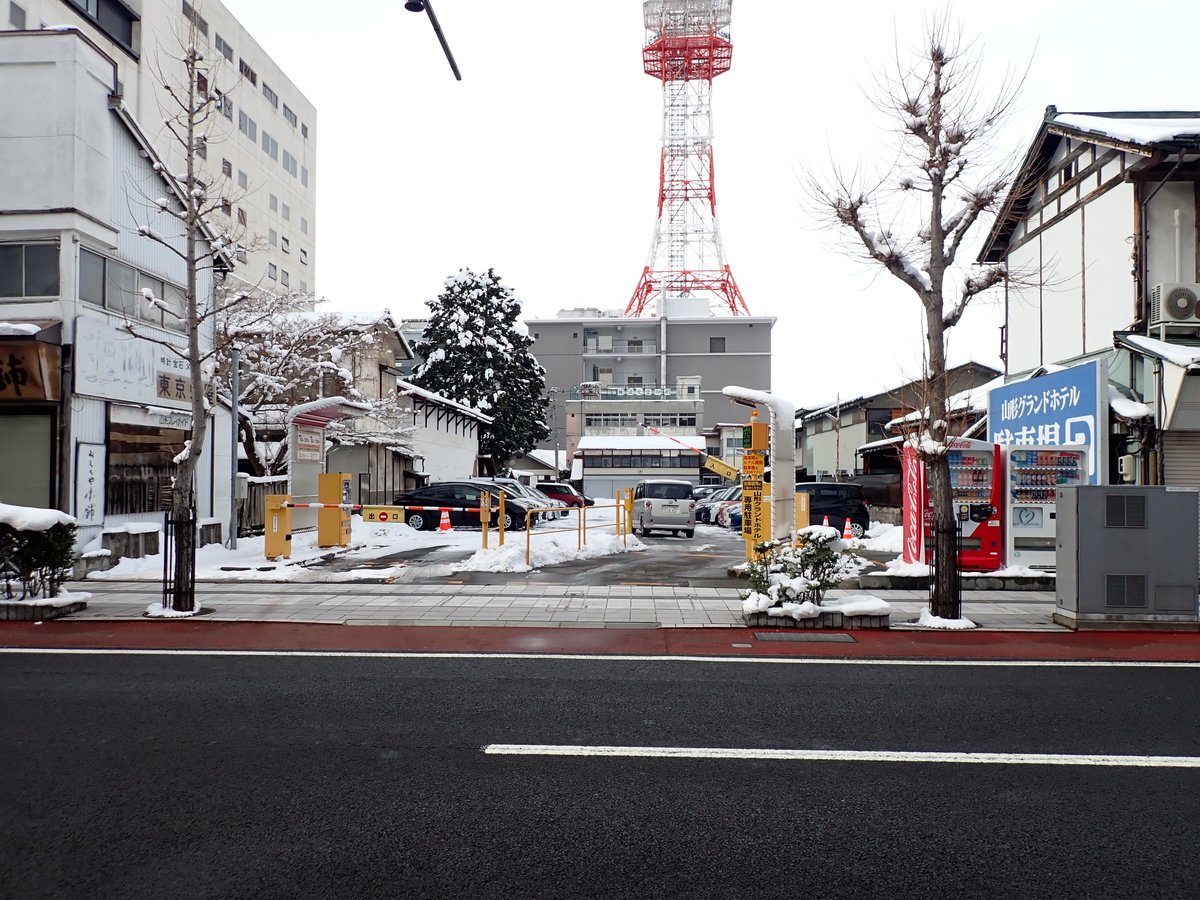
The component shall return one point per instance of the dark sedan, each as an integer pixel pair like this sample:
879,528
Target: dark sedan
458,498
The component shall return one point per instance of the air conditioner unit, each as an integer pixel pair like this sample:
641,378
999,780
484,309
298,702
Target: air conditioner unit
1175,304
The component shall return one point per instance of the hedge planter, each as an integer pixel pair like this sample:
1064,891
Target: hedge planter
32,611
833,620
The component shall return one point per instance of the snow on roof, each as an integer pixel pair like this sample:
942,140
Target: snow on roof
28,518
407,387
641,442
18,329
879,445
327,409
546,458
1178,354
1126,408
1143,128
971,400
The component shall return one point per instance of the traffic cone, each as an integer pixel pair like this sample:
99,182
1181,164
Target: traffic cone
826,522
847,534
444,525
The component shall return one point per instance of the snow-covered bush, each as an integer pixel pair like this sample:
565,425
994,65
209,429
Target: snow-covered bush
36,551
786,575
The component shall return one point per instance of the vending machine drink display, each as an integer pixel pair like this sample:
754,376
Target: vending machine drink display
977,486
1035,474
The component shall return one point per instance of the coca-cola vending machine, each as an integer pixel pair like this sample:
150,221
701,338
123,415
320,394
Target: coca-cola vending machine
978,489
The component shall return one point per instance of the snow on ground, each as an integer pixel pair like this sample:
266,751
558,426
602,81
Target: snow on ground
372,540
882,538
898,566
929,620
1019,572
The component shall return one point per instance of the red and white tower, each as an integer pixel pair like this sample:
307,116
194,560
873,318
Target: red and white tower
686,274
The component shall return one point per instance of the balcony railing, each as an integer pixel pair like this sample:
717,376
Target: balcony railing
597,391
619,348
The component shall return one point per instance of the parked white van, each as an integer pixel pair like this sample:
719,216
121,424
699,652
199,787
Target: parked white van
664,505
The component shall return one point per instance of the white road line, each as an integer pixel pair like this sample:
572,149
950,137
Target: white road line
602,657
901,756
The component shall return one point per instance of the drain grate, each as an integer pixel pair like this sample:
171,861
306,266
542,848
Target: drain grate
804,636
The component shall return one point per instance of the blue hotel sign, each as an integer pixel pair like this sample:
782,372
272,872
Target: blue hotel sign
1062,408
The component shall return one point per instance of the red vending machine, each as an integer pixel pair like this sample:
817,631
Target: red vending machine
978,488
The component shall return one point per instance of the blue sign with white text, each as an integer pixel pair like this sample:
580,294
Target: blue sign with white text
1062,408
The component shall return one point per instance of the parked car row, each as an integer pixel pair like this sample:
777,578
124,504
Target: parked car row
462,498
837,500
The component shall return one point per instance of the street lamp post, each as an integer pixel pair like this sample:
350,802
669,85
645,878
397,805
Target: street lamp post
426,6
554,427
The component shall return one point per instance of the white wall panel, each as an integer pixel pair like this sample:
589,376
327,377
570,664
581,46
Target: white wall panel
1111,299
1062,312
1160,249
1024,310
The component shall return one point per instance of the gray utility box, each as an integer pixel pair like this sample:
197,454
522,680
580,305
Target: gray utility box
1127,557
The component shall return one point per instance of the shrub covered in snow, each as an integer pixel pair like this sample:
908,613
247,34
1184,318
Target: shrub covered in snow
794,579
36,551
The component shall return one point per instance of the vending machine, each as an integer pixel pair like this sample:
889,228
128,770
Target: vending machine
1035,474
976,480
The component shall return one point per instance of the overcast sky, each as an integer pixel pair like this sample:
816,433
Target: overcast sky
543,162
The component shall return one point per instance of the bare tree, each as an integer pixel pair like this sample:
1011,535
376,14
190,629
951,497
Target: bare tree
944,181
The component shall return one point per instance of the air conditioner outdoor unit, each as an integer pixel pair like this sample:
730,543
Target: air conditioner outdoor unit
1175,304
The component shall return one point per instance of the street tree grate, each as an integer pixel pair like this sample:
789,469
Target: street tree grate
804,636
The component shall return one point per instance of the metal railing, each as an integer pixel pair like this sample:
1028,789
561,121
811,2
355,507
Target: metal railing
636,392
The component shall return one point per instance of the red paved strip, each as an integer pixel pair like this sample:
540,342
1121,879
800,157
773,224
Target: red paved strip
201,635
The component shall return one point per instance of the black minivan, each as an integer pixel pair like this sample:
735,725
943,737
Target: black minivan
838,500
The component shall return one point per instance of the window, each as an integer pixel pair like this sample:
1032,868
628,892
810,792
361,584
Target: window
1125,511
272,97
201,148
225,105
141,466
272,272
716,345
634,379
223,46
286,213
247,72
303,225
29,270
285,245
241,252
243,181
195,18
246,125
304,131
289,163
304,287
304,257
273,202
226,168
289,115
283,278
16,17
304,176
270,146
272,237
120,288
202,85
91,277
241,216
226,206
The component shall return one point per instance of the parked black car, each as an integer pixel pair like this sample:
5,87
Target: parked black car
838,500
458,497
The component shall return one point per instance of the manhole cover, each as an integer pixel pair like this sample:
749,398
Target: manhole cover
804,636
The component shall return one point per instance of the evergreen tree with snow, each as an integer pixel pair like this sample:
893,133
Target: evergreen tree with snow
476,351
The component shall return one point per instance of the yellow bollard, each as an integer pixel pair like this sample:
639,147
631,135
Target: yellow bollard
485,515
277,528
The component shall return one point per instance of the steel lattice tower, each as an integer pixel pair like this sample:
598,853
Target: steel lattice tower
687,48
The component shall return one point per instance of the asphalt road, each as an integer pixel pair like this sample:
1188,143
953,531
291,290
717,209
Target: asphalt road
224,776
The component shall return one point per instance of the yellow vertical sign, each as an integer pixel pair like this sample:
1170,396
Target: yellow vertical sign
752,509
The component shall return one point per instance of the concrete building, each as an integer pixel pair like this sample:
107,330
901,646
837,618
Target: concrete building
93,407
607,464
654,355
261,147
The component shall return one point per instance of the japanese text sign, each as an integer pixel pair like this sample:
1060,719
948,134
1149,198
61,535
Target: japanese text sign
752,510
1061,408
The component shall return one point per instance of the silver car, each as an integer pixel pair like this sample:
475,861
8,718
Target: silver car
664,505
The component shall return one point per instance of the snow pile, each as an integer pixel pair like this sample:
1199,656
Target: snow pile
29,518
902,569
158,611
858,605
929,620
855,605
883,538
546,550
1019,572
1126,408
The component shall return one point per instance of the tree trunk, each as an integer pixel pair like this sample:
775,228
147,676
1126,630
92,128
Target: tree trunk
944,599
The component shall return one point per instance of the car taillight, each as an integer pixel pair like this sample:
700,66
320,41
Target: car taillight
649,504
692,505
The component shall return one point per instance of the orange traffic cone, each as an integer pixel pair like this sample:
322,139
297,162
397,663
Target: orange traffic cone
826,522
444,525
847,534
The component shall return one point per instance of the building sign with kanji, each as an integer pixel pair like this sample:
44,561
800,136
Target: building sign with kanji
753,526
1061,408
174,386
29,370
112,364
89,484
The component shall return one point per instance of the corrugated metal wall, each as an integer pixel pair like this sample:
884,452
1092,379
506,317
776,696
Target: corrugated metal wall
133,205
1181,458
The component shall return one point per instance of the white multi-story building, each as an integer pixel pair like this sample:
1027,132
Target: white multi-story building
261,151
